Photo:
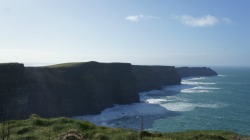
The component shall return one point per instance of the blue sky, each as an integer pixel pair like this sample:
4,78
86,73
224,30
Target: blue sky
146,32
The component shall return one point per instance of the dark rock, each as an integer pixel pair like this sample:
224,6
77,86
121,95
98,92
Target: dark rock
84,88
154,77
13,96
195,71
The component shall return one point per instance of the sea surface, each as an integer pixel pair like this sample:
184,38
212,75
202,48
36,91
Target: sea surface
200,103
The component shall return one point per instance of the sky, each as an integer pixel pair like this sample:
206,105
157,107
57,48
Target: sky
141,32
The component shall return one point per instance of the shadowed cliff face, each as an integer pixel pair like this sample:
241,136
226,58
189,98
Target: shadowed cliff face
80,88
13,98
154,77
84,88
195,71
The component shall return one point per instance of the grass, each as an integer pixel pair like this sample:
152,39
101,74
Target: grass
37,128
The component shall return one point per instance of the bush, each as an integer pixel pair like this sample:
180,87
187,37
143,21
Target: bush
145,134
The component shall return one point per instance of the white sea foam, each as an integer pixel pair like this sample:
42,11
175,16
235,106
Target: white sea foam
197,78
156,101
185,106
120,111
188,82
223,75
199,89
144,96
194,91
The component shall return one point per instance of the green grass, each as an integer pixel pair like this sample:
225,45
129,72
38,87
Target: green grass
37,128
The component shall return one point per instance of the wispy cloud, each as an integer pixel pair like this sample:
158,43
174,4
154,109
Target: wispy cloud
137,18
204,21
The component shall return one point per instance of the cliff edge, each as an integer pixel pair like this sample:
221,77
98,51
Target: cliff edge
195,71
154,77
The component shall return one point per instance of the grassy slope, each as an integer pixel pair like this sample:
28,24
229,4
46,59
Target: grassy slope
58,128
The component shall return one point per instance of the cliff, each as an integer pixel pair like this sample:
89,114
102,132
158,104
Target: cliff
154,77
195,71
73,89
66,89
13,96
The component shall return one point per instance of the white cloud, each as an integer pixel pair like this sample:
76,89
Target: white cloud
204,21
137,18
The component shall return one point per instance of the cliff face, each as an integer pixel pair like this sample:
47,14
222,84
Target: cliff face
195,71
154,77
80,88
85,88
13,96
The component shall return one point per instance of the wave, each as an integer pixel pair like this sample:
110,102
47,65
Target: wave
199,89
194,91
120,111
155,103
220,75
188,82
184,106
198,78
176,87
194,78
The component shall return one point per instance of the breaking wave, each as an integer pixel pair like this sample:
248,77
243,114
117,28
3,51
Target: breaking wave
156,103
186,106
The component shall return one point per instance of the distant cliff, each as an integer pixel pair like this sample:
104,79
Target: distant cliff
66,89
154,77
195,71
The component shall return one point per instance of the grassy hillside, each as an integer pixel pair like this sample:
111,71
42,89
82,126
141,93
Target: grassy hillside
37,128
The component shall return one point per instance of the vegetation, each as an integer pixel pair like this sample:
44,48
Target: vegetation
37,128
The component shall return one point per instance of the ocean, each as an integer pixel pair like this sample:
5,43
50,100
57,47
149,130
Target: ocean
200,103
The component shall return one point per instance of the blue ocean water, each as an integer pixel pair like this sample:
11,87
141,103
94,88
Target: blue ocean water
200,103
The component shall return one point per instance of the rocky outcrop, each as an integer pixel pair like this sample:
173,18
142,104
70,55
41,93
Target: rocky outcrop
195,71
154,77
65,90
